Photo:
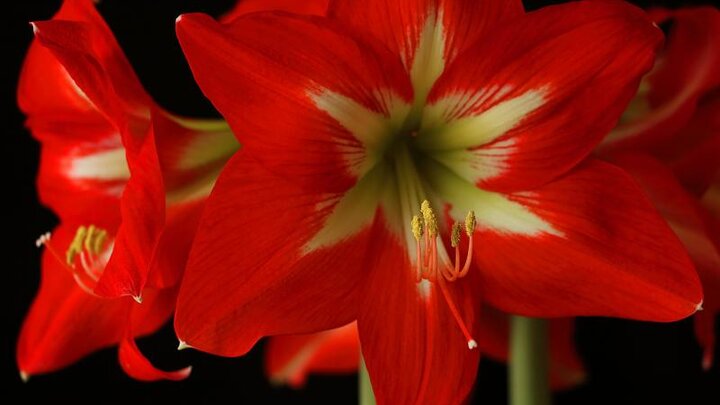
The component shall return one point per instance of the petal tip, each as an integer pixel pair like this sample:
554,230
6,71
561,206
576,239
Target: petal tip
189,18
184,373
182,345
24,376
706,363
699,306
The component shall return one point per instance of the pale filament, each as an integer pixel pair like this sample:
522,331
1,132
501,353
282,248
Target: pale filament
425,231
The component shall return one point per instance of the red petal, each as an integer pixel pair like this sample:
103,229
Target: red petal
143,216
711,202
65,323
87,50
309,7
286,67
698,166
191,156
250,266
689,68
82,164
78,176
174,243
542,92
693,152
612,255
414,350
566,368
137,366
45,87
685,216
82,42
400,24
290,358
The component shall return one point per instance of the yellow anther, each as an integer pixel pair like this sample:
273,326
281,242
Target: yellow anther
90,239
95,239
99,242
455,235
429,217
425,207
91,232
417,227
470,223
76,246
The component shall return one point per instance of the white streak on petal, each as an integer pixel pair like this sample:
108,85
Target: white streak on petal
351,213
478,164
429,60
494,211
104,165
371,128
462,121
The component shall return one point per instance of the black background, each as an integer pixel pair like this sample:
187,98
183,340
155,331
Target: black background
628,362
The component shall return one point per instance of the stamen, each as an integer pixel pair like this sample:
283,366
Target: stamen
417,227
469,231
456,314
419,263
429,217
470,223
428,266
455,236
82,257
417,230
76,246
433,262
44,240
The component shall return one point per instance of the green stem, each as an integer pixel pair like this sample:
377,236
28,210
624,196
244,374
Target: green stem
528,372
365,391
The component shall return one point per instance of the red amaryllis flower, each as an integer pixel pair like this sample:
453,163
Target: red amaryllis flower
291,358
669,140
102,174
351,122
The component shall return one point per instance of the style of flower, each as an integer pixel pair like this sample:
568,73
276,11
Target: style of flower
111,161
351,123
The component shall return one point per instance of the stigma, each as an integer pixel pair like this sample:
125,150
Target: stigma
425,230
85,257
